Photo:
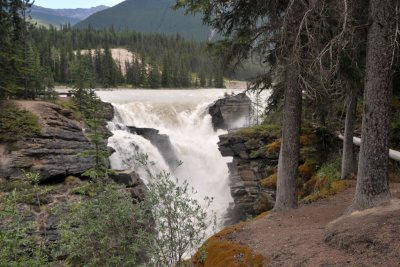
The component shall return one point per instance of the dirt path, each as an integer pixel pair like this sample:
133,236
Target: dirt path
297,237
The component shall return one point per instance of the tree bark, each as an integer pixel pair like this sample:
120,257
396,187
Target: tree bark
286,197
348,158
372,183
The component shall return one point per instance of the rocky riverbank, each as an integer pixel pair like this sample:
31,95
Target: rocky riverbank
54,152
252,163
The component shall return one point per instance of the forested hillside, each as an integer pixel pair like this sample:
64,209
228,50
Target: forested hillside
158,61
34,59
149,16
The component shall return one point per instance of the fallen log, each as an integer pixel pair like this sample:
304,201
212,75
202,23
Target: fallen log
393,154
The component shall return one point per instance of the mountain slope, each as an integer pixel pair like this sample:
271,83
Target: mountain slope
149,16
62,16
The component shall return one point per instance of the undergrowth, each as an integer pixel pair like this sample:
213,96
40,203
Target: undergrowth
326,182
16,124
259,131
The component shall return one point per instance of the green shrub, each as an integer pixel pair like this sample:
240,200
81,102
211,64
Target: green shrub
18,246
102,231
16,124
330,169
180,222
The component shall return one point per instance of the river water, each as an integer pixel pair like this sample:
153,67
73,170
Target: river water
183,116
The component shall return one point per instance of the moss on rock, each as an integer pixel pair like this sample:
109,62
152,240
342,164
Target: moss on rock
16,124
218,251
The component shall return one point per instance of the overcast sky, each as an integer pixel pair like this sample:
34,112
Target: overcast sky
75,3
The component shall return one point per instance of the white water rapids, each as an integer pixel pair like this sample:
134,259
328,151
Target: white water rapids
183,116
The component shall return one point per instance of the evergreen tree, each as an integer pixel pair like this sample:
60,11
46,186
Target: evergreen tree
154,77
373,183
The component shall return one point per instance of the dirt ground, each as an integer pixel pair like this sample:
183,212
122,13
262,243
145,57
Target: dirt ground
307,236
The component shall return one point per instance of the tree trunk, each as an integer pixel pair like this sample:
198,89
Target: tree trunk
286,197
348,159
372,183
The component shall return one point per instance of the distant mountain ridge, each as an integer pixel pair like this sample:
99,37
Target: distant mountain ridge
62,16
149,16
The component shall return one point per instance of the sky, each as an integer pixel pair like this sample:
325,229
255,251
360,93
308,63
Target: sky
75,3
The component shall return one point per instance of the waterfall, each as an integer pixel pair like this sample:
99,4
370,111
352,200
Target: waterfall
183,116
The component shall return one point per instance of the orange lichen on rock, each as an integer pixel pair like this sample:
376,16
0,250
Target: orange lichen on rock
306,171
270,182
218,251
274,146
260,216
306,139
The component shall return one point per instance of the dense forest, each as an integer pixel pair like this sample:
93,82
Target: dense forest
34,59
158,60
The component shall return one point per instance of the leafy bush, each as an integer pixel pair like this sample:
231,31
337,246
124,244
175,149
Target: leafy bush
330,169
180,222
16,124
102,231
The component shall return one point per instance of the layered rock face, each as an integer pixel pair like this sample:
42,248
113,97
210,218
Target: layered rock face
230,112
54,152
252,162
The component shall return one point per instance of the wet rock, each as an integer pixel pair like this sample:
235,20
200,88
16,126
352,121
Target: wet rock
160,141
230,112
108,111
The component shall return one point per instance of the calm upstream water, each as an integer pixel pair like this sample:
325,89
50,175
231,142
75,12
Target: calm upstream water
183,116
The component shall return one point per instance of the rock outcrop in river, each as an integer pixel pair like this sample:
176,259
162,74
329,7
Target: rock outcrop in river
160,141
230,112
54,152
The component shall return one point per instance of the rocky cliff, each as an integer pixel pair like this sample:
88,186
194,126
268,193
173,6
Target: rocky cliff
54,152
252,162
160,141
230,112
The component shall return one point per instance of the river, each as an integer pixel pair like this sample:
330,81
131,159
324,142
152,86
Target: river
183,116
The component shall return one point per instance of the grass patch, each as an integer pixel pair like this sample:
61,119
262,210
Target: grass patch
70,105
16,124
87,189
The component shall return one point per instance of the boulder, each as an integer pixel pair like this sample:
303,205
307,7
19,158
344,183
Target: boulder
230,112
133,183
371,235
